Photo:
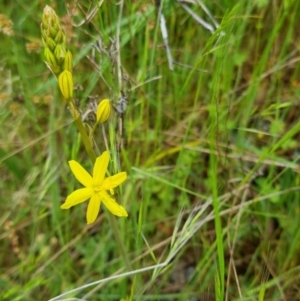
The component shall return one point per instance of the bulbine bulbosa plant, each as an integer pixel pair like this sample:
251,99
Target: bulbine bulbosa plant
97,188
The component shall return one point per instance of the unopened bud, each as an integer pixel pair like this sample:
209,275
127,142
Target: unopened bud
50,43
51,60
65,82
59,53
103,110
60,38
68,61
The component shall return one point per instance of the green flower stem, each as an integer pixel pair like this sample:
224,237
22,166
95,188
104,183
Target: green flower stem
113,222
85,138
119,240
104,136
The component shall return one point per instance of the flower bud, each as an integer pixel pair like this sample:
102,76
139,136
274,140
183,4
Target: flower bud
60,38
44,36
60,54
52,32
68,61
65,82
103,110
51,60
50,43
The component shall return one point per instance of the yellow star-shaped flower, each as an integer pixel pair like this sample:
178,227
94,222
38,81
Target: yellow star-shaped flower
96,188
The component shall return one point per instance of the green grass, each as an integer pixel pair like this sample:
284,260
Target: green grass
211,150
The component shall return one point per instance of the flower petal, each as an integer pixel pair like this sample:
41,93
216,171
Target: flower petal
112,205
77,197
93,208
81,174
114,181
100,168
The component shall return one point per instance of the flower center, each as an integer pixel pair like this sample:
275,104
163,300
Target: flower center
97,188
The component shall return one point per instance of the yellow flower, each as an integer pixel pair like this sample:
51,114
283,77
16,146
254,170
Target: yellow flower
103,110
96,188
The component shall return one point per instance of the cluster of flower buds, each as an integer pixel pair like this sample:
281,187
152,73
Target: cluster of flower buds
58,58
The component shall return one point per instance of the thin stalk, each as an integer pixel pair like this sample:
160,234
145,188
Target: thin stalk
113,222
85,138
119,240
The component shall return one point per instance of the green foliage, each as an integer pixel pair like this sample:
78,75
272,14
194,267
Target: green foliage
210,147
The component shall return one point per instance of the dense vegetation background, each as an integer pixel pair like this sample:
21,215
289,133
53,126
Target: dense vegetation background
211,147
